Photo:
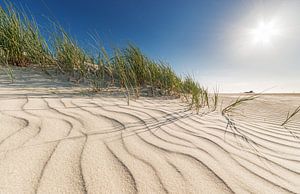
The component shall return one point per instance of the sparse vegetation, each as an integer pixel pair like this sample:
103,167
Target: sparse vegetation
231,108
128,69
290,116
194,94
215,99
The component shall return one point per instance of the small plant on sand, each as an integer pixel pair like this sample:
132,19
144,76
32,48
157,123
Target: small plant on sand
290,116
215,99
231,108
194,94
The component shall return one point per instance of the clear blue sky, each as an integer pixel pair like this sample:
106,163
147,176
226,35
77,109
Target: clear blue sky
204,38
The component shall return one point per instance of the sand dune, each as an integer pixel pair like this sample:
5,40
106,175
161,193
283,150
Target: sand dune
55,140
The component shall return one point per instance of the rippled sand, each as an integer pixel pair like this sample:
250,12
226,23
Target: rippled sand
54,139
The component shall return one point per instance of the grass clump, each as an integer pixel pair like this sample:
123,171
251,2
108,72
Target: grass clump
194,94
126,69
215,99
21,42
69,57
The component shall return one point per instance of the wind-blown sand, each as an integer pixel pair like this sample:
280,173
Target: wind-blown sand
54,139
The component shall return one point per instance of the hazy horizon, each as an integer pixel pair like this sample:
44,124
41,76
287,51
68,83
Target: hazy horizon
236,45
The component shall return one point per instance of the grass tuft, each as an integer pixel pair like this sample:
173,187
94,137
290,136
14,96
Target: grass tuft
215,99
290,116
239,101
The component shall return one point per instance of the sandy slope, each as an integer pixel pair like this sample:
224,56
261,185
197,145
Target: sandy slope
54,140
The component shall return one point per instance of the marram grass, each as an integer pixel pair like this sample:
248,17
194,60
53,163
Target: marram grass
130,70
290,116
21,43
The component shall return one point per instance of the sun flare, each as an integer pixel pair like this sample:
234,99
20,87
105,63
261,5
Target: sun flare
264,33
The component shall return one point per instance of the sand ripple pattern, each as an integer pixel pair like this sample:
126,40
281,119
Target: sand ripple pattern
56,144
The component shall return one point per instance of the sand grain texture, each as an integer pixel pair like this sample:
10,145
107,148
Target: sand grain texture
53,139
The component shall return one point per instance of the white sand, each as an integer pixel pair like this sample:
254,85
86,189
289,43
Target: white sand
54,140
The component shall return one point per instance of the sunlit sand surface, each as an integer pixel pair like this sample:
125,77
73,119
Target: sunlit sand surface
56,139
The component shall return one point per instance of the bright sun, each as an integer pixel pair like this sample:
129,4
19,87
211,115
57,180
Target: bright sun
264,33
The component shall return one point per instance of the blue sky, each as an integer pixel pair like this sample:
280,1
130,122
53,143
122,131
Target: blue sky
205,38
